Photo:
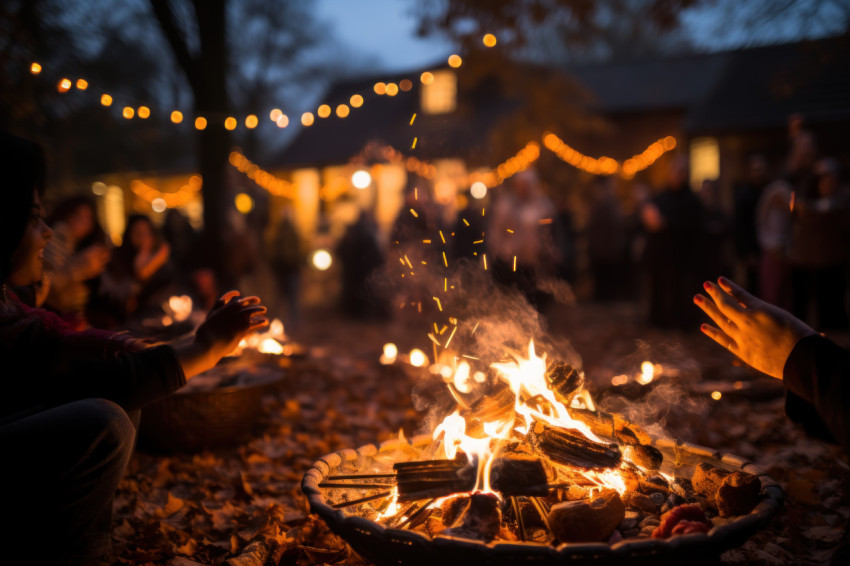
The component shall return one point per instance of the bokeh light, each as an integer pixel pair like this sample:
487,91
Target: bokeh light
158,204
342,110
489,40
244,203
128,112
282,121
322,260
361,179
106,99
230,123
356,100
144,112
200,122
427,77
478,190
82,84
455,61
324,111
307,119
176,116
251,121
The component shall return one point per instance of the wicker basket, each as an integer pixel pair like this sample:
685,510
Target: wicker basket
397,546
191,421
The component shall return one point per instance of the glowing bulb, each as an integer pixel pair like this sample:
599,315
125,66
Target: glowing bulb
82,84
176,116
307,119
342,110
391,89
251,121
158,204
489,40
324,111
455,61
275,114
144,112
478,190
200,123
128,112
716,395
390,353
405,84
35,68
356,100
244,203
322,259
106,99
98,188
418,358
282,121
427,78
361,179
64,85
230,123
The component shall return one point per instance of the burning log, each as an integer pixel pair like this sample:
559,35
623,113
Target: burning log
570,448
432,478
587,520
519,476
480,520
645,456
707,479
491,408
565,381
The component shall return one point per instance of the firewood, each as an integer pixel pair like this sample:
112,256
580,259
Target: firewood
587,520
564,381
433,478
571,448
498,406
481,519
738,494
645,456
518,476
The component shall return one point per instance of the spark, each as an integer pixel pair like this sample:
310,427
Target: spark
401,259
443,329
469,357
452,335
474,328
414,143
482,211
514,263
436,330
478,242
410,265
445,284
439,306
510,231
413,212
485,262
716,395
465,221
443,238
415,193
426,241
545,221
412,118
434,339
445,261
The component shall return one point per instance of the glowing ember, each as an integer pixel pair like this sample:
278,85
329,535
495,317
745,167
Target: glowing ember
418,358
268,342
647,373
390,354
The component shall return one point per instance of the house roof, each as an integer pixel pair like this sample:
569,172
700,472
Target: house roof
737,90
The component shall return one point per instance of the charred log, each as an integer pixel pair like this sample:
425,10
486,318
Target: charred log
564,381
571,448
518,476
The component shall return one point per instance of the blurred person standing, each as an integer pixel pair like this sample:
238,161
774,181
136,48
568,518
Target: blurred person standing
747,195
361,257
716,237
673,220
606,241
75,256
286,261
818,250
519,241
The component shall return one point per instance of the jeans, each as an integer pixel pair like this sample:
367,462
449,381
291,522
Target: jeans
58,475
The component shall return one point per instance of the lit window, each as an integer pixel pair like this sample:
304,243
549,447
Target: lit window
705,160
440,95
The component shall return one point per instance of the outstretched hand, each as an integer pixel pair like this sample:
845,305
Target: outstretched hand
760,334
230,320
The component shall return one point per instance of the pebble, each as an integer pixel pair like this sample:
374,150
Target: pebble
657,498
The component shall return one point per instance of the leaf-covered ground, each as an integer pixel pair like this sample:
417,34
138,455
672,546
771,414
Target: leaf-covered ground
242,505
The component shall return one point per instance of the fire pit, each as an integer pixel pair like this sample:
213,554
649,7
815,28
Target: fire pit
532,472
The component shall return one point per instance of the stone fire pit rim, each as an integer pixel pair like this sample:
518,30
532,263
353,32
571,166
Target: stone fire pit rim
719,538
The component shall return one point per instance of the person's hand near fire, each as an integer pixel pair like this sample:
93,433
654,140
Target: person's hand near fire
814,370
760,334
231,319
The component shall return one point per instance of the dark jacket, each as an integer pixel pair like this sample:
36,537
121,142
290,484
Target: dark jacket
817,379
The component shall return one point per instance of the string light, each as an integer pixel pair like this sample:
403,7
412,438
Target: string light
405,84
380,88
342,111
251,121
181,197
606,165
392,89
324,111
144,112
64,85
356,101
106,99
200,123
230,123
307,119
264,179
275,114
176,116
489,40
282,121
128,112
82,84
427,77
455,61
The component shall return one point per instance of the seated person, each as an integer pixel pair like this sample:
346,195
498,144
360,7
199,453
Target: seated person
67,426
